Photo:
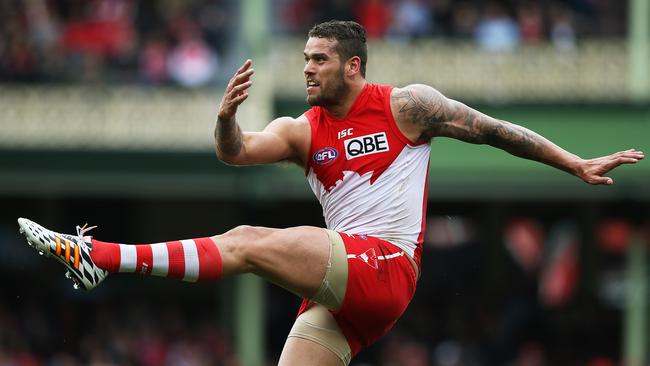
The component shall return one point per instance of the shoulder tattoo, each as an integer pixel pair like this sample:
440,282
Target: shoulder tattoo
439,116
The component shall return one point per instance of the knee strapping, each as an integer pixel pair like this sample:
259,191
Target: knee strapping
317,325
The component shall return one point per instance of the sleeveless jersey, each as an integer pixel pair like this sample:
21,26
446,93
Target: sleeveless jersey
369,178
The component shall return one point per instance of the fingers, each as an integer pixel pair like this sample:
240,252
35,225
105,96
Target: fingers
242,75
239,83
235,97
239,99
241,87
635,154
606,181
240,78
598,180
245,66
622,160
236,91
630,156
627,160
631,153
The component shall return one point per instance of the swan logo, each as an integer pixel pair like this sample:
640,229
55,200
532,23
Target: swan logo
325,156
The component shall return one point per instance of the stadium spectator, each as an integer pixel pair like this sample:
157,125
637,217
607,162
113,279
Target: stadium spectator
375,16
153,60
192,63
496,31
562,31
411,19
465,16
531,23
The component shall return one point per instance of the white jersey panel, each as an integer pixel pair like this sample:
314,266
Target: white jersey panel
390,208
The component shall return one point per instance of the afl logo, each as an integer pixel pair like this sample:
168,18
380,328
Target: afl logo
325,156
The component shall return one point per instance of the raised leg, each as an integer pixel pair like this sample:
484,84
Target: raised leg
294,258
297,259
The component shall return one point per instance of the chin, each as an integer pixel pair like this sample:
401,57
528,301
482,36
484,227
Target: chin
321,100
313,101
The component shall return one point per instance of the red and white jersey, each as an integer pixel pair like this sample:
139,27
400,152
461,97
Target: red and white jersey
369,178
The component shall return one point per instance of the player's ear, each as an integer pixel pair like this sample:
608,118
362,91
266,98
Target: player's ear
353,66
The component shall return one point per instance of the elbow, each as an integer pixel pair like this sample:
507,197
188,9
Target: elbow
227,158
224,158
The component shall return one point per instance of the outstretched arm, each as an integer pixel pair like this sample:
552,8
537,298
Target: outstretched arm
424,113
282,139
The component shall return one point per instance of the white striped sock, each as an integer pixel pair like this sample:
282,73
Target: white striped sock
128,258
160,265
191,260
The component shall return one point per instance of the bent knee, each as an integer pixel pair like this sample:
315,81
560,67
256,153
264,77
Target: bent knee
242,243
244,233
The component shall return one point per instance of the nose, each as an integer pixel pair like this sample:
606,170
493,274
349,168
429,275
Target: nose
309,68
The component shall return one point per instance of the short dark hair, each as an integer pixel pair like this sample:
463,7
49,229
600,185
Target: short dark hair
350,37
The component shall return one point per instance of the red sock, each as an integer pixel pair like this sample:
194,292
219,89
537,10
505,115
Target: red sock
190,260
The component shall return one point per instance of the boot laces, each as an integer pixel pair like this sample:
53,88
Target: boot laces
82,230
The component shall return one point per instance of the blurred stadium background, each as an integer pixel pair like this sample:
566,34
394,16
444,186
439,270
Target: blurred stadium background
106,116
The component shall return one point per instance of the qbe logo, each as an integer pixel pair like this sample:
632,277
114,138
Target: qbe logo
366,145
325,156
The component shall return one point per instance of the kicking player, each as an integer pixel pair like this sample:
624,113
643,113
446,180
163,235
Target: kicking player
365,150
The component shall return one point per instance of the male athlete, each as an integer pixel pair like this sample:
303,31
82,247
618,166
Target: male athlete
365,149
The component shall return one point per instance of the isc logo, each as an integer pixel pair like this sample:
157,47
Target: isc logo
366,145
326,155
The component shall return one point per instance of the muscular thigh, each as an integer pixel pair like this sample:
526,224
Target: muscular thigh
294,258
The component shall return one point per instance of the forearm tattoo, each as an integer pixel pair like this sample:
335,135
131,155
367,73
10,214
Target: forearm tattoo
228,137
440,116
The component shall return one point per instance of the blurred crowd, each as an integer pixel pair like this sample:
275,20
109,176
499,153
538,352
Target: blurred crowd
110,333
182,42
147,42
494,24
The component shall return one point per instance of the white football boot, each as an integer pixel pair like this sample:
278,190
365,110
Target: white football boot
72,251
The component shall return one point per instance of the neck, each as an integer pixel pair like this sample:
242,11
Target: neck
341,110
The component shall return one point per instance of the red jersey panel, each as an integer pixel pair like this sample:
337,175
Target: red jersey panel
369,178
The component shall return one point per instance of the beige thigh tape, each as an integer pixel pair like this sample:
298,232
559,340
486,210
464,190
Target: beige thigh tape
332,291
317,325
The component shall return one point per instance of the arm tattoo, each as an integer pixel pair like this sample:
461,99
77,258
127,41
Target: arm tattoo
515,139
422,109
438,116
228,137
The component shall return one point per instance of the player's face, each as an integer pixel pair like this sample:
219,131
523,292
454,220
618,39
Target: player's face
324,73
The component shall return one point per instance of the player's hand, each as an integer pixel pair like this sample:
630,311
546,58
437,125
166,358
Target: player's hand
236,91
593,171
